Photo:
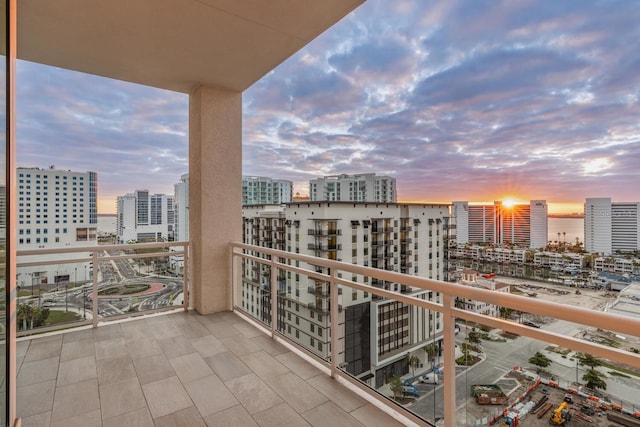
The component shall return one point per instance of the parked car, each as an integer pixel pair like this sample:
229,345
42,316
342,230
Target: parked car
531,324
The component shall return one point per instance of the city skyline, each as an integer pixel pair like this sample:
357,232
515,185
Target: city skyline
458,101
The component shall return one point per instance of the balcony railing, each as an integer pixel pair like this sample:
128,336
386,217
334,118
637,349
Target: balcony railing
324,233
395,348
76,286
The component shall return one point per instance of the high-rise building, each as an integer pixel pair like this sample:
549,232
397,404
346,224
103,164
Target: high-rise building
366,187
520,224
145,217
378,333
259,190
56,209
611,227
181,208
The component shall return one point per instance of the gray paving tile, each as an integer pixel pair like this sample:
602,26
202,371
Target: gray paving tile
22,347
371,416
75,399
240,345
115,369
107,332
121,397
166,396
153,368
220,329
335,391
330,414
193,330
296,392
208,345
163,331
270,345
235,416
210,395
78,335
142,347
35,398
88,419
176,346
189,417
264,365
253,393
280,415
39,420
298,365
77,370
227,366
190,367
247,329
135,329
44,348
38,371
76,349
110,348
137,418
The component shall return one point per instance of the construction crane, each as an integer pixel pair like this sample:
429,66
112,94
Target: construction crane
561,415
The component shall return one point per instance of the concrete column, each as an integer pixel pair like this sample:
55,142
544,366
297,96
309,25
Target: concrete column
215,193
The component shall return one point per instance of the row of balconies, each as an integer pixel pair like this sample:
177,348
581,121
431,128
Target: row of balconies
321,232
324,248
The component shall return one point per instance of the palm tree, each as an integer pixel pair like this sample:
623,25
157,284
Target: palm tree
564,238
413,362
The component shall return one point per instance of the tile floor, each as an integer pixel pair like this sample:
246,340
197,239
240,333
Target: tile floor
179,369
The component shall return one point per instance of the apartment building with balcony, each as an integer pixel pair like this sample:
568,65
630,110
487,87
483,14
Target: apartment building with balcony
404,238
611,227
524,225
366,187
55,209
142,216
260,190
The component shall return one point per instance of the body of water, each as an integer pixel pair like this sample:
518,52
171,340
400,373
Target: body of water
573,227
107,224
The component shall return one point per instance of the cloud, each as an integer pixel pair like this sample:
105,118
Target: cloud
457,100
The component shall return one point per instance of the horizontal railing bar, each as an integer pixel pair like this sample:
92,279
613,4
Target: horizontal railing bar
133,314
52,328
598,319
73,249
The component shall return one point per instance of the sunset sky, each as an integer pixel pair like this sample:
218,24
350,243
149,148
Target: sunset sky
459,100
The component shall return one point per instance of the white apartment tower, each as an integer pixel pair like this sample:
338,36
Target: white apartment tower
145,217
378,333
611,227
259,190
181,208
520,224
56,209
365,187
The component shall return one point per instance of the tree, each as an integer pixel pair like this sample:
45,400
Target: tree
474,337
413,362
431,350
589,360
505,312
540,360
395,383
594,379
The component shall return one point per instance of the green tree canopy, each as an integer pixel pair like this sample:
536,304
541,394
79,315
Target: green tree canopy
540,360
594,380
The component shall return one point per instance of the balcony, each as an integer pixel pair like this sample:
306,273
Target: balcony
324,233
120,373
179,369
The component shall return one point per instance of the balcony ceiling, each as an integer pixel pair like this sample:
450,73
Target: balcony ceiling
173,44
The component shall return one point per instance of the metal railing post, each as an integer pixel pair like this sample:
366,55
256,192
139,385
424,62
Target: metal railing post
449,342
274,296
186,291
94,303
333,300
